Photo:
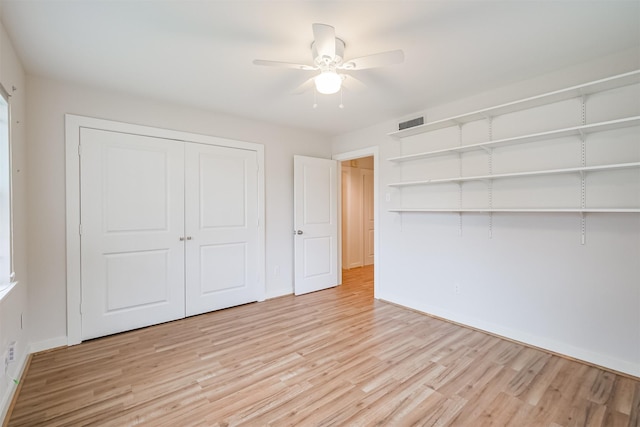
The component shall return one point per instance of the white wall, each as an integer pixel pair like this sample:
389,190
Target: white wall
15,303
533,281
49,100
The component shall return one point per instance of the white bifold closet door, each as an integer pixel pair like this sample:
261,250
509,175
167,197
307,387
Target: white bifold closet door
169,229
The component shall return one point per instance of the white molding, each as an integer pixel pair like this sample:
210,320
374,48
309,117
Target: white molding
36,347
581,354
356,154
73,124
279,292
11,391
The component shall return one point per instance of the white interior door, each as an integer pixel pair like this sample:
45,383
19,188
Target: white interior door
368,215
132,218
316,224
221,227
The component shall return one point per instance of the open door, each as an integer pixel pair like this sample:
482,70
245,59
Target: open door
316,224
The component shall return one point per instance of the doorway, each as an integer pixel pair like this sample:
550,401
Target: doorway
359,212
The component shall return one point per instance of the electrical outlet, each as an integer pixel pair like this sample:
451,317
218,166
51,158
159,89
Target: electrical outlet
12,352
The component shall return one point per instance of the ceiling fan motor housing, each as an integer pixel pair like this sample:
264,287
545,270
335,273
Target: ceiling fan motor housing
325,61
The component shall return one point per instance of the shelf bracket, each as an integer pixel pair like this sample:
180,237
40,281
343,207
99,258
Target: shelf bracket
582,134
460,204
583,182
460,183
490,183
583,162
490,225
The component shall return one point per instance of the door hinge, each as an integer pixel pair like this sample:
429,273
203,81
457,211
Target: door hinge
80,229
80,308
79,150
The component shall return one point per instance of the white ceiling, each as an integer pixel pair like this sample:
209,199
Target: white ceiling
199,53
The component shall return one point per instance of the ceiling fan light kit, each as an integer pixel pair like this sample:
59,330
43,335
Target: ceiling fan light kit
328,82
327,52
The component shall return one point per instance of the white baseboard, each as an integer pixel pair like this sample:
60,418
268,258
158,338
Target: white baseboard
588,356
5,400
8,397
275,293
48,344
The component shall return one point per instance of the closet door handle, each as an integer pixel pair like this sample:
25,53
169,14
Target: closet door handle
189,238
299,232
181,238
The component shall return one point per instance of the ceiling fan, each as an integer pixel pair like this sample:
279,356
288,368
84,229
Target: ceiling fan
328,57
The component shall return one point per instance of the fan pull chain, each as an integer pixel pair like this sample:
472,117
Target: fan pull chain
315,99
341,104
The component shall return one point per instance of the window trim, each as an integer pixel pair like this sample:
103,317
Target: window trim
7,284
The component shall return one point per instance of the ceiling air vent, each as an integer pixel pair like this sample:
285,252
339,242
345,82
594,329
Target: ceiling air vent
411,123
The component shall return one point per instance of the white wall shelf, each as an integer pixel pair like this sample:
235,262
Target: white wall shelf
582,169
622,200
558,133
526,103
523,210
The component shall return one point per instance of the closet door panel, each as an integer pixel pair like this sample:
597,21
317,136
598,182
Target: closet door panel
132,215
221,227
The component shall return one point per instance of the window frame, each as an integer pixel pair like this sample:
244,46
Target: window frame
7,275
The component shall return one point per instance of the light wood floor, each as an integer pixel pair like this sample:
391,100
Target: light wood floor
334,357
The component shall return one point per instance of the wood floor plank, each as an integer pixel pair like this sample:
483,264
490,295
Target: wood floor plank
331,358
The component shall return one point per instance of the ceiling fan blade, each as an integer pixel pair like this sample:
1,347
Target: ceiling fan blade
375,60
308,84
352,84
324,37
284,65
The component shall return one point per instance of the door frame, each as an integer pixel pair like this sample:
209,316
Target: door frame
351,155
73,124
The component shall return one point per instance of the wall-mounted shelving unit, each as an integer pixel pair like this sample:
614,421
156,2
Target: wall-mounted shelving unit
489,146
601,85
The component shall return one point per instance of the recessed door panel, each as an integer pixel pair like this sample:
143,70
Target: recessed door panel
223,188
136,279
223,267
132,215
221,227
140,204
313,264
317,181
